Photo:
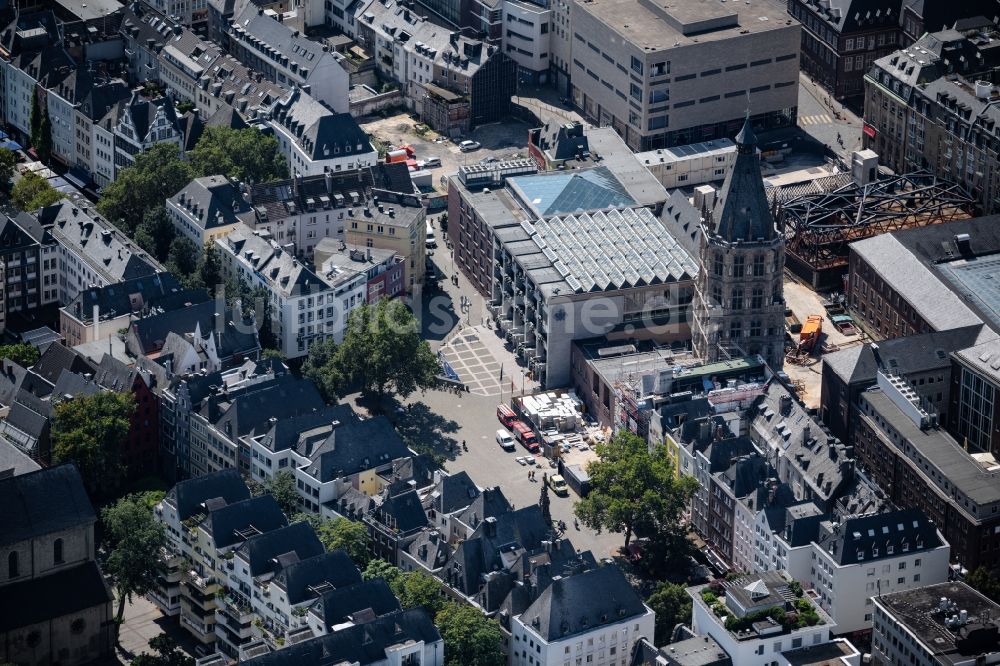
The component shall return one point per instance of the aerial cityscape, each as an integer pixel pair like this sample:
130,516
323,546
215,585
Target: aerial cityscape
499,332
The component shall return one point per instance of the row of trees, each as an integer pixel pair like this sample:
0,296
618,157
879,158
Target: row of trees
382,354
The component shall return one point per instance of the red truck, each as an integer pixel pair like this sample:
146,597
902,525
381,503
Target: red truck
524,434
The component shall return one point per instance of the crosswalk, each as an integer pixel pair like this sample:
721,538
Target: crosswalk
819,119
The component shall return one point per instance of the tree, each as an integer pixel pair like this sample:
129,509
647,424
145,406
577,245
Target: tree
166,652
634,489
672,605
8,161
282,489
183,260
543,501
132,541
90,430
383,352
242,154
43,144
378,568
35,119
340,534
211,267
23,354
416,588
470,638
32,192
156,233
157,174
985,582
320,366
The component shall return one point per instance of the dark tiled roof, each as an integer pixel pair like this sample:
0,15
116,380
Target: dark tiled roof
338,605
582,602
42,502
13,462
250,410
259,551
151,332
328,569
490,503
321,132
57,358
355,447
455,492
49,597
257,513
742,211
127,297
217,200
879,536
405,511
362,644
189,495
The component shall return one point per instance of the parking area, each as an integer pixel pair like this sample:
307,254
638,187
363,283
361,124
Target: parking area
499,140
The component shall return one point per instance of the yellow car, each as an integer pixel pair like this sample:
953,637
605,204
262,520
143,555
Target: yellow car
558,485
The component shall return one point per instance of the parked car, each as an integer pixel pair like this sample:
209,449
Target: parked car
558,485
468,146
505,440
432,162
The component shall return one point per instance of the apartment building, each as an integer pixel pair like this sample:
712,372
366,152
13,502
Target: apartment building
745,625
396,222
526,39
259,39
384,269
57,603
316,140
304,307
142,123
31,261
664,77
918,464
207,209
594,616
841,39
928,106
937,625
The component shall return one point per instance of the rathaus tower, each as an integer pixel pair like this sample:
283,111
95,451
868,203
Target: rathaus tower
738,304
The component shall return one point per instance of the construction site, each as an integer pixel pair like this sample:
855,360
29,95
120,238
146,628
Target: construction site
819,227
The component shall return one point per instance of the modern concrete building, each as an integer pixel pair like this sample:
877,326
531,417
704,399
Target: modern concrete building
948,624
672,75
692,164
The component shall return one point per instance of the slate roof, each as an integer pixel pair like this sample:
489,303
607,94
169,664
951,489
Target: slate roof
151,332
244,411
260,513
321,132
874,536
260,551
741,210
319,572
131,296
49,500
295,431
13,462
683,221
217,201
583,602
57,358
405,511
362,644
188,495
489,503
850,16
106,250
339,605
281,270
52,596
454,492
355,447
430,548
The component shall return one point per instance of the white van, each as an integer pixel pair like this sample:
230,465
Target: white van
505,440
431,242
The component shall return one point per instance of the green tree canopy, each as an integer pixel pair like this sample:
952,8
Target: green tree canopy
183,260
23,354
416,588
132,541
383,352
282,488
90,430
378,568
985,581
157,174
156,233
634,489
320,366
43,143
8,160
672,605
165,652
340,534
32,192
245,155
470,638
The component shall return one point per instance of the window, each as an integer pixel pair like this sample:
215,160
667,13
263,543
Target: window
739,265
57,551
736,329
717,264
12,566
737,298
636,65
759,262
757,298
635,91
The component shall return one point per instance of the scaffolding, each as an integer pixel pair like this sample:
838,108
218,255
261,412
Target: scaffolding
819,227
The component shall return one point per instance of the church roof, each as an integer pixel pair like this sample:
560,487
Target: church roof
741,210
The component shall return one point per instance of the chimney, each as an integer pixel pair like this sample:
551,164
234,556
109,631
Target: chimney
490,524
805,436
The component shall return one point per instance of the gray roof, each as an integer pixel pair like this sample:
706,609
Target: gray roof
609,250
303,579
321,132
984,357
851,16
694,651
405,509
282,38
261,551
150,333
353,447
38,503
13,462
188,495
583,602
211,202
131,296
742,211
227,524
953,464
281,269
32,601
341,604
879,536
106,250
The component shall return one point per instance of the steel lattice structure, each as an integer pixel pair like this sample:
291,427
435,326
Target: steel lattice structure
819,227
